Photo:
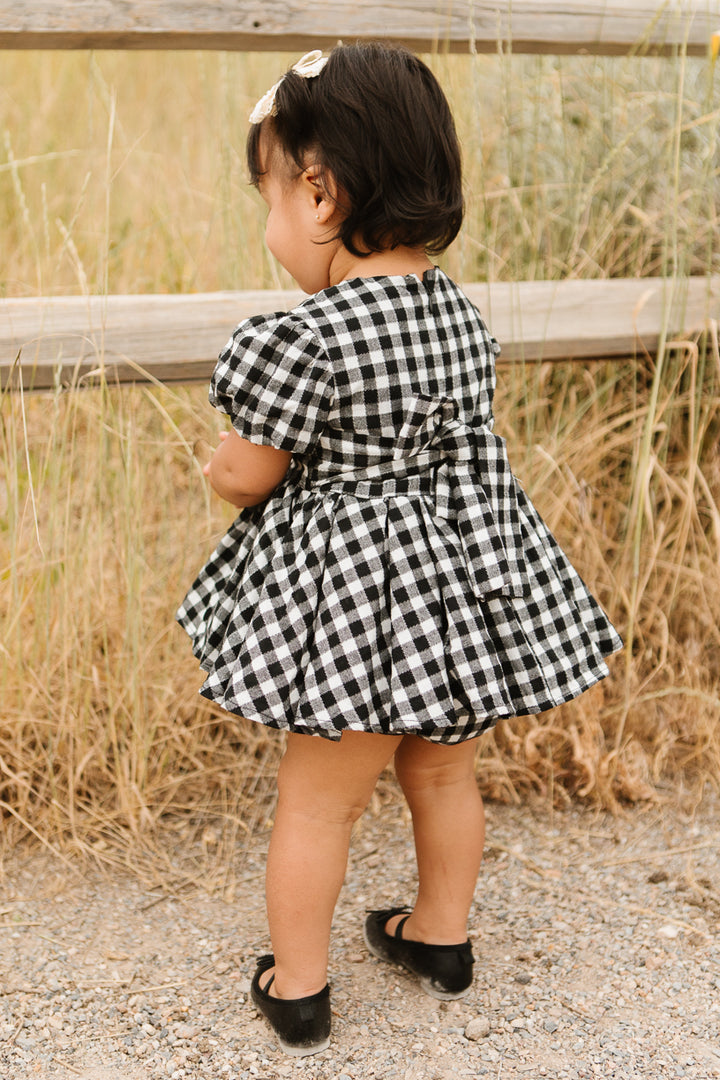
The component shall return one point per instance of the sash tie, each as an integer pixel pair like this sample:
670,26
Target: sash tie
466,472
475,491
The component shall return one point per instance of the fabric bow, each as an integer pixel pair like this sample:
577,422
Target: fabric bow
465,470
307,67
474,488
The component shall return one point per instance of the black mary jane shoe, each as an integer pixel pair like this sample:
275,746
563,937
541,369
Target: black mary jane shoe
445,971
302,1025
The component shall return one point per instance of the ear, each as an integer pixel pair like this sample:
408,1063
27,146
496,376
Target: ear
323,192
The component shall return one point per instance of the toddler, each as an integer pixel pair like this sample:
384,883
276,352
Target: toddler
387,591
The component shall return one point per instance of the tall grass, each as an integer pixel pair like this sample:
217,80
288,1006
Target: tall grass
125,173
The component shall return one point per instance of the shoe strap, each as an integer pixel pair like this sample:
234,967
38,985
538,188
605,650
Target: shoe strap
399,927
266,988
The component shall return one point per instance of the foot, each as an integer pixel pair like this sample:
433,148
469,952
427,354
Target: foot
445,970
302,1025
409,932
269,985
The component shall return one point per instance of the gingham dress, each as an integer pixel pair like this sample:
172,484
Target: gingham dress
399,579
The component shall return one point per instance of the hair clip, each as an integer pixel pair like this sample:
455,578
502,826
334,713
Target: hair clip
307,67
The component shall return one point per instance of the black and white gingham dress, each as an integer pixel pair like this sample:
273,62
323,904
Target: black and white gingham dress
398,579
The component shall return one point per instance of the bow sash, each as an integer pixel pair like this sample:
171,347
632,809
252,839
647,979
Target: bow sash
466,472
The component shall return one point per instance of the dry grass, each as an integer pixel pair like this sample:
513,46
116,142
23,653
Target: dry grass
125,173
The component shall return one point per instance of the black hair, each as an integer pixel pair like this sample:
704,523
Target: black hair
376,119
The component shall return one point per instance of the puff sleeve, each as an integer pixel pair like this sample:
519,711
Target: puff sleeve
273,380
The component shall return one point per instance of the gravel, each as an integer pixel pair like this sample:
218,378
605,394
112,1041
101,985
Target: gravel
597,942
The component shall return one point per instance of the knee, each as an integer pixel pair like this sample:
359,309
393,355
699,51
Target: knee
424,774
417,781
324,801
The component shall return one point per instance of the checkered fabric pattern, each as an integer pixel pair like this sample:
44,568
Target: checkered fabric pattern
399,579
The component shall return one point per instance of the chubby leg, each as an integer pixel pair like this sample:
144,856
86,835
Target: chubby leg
449,828
323,788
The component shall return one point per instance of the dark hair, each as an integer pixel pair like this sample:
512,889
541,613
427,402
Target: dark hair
377,120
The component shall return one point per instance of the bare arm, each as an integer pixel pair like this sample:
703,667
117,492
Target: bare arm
245,473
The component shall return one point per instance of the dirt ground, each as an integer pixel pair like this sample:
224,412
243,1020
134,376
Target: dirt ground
597,943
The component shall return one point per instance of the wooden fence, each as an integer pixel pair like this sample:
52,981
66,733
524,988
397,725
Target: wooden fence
565,26
47,342
176,338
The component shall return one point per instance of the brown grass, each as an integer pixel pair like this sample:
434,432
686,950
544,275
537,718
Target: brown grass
124,173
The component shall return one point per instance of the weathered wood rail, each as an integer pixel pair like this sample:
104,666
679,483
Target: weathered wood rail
564,26
70,340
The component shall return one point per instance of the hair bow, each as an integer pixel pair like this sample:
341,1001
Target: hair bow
307,67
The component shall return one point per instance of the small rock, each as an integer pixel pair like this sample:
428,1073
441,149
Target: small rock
657,877
186,1031
669,931
523,977
477,1028
551,1026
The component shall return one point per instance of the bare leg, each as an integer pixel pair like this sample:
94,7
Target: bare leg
449,827
323,788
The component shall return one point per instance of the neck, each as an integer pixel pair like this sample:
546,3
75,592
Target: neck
395,261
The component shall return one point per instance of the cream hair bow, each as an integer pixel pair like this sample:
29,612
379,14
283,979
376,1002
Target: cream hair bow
307,67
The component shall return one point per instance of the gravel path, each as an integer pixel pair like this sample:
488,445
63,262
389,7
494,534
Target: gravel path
597,940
